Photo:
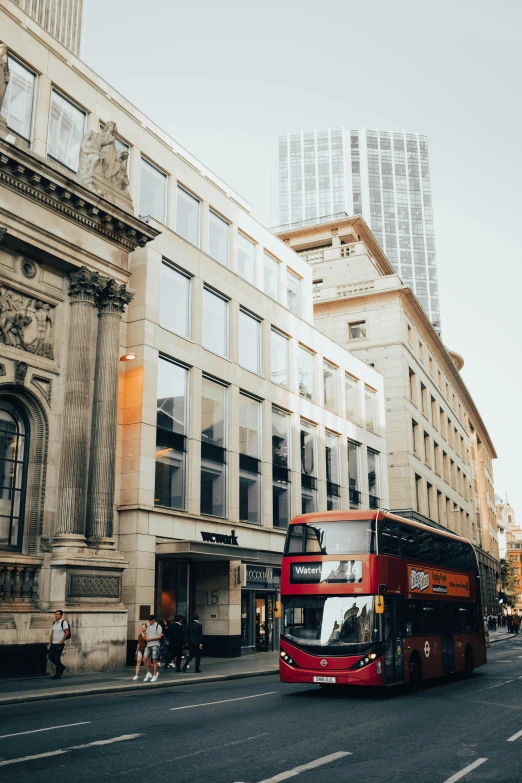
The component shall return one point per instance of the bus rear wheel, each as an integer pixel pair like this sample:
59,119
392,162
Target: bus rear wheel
469,664
415,669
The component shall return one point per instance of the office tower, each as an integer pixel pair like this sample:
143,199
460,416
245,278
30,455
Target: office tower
61,18
380,175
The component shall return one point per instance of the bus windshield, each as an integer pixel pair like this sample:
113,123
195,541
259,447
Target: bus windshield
335,624
351,537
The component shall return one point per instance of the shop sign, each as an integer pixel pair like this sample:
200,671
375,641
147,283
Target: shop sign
430,581
262,576
219,538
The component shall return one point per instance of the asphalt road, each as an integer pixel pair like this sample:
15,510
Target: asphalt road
255,730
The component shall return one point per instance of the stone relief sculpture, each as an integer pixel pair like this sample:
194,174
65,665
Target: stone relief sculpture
101,168
26,323
4,72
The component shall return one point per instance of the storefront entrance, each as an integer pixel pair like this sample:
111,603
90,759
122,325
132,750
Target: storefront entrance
259,627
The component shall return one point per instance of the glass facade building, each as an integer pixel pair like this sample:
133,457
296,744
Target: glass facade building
383,176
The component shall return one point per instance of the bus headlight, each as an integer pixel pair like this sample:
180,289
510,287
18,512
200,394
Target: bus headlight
287,659
370,657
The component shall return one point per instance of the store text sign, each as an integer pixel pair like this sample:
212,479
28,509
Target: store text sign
431,581
219,538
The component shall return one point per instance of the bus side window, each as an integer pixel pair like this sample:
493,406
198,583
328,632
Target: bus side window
313,540
429,619
389,537
439,550
408,536
466,618
424,539
294,544
412,625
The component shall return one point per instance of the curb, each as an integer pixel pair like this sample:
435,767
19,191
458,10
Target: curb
47,696
504,639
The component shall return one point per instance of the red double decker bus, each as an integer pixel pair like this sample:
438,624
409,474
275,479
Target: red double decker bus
370,598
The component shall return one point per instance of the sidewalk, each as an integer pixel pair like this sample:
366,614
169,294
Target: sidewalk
214,669
501,635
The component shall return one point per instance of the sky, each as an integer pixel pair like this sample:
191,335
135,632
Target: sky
225,79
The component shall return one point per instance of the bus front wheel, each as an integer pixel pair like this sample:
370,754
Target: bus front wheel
415,668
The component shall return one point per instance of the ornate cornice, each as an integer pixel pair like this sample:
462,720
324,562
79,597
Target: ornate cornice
38,180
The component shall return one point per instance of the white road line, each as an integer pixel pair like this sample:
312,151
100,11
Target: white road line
463,772
515,736
49,728
225,701
122,738
495,686
311,765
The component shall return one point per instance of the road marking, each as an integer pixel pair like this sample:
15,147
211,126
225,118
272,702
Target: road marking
496,686
515,736
463,772
225,701
122,738
504,661
304,767
49,728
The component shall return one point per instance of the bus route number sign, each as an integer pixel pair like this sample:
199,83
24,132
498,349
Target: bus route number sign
327,572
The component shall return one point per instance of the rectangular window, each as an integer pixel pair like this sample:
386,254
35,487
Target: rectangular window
187,216
333,479
434,411
424,400
413,388
213,448
350,390
373,478
246,263
436,458
66,131
153,191
215,326
280,468
418,491
293,292
249,342
17,106
308,435
271,277
218,238
410,334
357,330
421,352
330,386
415,436
279,358
175,300
370,409
427,449
353,474
171,423
306,373
249,459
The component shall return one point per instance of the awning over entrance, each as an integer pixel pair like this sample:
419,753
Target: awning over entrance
193,550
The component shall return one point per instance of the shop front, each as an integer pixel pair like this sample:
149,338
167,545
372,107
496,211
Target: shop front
259,593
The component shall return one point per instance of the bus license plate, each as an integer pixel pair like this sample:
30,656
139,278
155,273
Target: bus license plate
325,679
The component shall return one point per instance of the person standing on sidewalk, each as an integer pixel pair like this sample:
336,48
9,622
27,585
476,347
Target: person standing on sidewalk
195,643
154,633
510,622
140,649
176,643
516,623
60,631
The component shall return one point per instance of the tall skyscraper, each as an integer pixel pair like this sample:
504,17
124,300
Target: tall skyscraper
61,18
380,175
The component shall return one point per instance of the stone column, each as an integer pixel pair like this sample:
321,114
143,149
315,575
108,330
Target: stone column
70,522
100,510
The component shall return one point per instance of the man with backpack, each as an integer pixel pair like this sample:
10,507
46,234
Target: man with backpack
154,635
60,631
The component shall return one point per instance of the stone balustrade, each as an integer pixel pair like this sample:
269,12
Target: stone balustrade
19,585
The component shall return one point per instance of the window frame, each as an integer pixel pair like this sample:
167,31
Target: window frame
243,237
247,314
177,270
280,334
212,291
172,439
357,323
148,162
212,213
17,60
81,111
187,192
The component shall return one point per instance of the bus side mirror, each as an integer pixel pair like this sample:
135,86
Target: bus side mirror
278,612
379,604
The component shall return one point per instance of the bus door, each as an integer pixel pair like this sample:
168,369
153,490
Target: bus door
447,629
393,610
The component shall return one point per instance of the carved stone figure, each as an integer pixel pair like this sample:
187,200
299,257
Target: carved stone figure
101,168
20,371
4,72
26,323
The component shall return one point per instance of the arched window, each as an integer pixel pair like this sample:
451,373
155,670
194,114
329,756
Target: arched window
14,446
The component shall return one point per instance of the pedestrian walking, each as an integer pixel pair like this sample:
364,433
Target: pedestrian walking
510,623
176,643
516,623
154,633
140,649
503,621
60,632
194,642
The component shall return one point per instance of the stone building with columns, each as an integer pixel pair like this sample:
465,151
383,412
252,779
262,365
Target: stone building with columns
163,482
439,450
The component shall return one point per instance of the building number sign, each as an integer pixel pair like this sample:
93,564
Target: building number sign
211,597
